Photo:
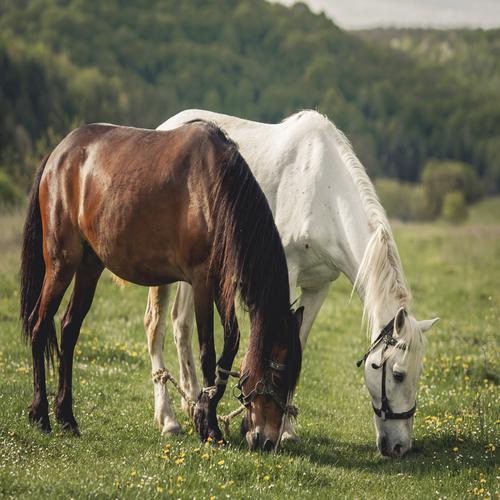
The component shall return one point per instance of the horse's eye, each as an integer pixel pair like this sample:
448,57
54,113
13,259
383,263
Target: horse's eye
398,376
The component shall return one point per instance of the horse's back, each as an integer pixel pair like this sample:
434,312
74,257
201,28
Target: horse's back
299,166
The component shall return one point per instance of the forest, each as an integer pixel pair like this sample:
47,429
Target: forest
403,97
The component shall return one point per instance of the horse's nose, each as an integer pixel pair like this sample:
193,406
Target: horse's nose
268,445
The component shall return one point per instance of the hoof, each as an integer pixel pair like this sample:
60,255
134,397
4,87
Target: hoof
205,421
171,429
39,419
71,428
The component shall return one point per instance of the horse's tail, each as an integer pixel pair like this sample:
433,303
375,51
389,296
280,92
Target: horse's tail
33,269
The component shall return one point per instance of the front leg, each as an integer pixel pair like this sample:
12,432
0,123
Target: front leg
311,300
205,413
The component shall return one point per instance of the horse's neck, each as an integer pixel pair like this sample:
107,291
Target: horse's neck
359,228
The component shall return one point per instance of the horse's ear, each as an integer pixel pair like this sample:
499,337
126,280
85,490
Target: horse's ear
426,324
399,320
299,315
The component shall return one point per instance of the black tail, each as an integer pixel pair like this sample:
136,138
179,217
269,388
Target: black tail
33,270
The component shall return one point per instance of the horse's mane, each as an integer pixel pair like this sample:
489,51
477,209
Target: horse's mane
248,256
380,277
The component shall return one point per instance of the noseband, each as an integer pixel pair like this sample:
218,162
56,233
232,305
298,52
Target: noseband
386,337
265,387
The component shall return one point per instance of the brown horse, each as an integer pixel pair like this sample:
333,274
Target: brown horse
155,208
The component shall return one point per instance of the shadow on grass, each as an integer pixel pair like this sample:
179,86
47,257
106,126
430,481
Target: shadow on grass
431,453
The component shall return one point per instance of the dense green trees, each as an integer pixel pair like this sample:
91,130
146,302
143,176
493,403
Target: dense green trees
65,62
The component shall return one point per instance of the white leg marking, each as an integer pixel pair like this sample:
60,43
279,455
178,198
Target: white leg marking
183,321
155,324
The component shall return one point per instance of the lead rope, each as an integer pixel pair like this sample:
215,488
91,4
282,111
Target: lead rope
163,376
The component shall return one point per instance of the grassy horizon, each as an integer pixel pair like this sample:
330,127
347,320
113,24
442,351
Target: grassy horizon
453,272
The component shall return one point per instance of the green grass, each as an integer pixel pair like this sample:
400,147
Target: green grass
454,272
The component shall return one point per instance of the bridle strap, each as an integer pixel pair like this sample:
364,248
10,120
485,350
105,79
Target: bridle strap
386,336
264,387
387,331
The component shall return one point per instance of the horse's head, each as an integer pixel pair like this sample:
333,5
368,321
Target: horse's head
267,389
392,369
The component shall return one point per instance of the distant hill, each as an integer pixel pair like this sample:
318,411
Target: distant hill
138,62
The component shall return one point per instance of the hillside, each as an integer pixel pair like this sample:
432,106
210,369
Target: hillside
138,62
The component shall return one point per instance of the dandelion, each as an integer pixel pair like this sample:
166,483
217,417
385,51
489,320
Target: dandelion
266,478
179,461
205,456
220,462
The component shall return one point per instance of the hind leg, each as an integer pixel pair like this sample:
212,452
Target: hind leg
86,278
56,281
154,323
183,321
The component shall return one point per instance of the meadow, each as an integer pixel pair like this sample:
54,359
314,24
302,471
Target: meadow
454,273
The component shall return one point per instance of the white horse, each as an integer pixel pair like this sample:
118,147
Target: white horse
330,221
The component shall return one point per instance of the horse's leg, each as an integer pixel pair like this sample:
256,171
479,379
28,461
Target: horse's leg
56,281
182,320
312,300
204,414
86,278
155,324
231,346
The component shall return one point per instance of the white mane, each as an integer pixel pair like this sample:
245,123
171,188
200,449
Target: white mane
380,277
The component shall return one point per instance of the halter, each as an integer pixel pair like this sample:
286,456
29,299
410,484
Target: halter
265,387
386,336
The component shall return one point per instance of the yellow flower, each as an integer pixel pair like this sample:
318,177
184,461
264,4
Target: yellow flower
220,462
180,479
205,456
266,478
455,449
179,461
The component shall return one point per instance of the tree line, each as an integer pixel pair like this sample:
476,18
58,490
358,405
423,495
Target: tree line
137,62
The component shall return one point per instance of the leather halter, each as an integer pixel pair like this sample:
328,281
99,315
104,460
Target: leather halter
264,387
386,337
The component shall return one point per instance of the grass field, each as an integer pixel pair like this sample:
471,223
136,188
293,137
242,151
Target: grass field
454,273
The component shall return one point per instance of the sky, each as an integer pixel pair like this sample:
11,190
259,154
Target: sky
356,14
